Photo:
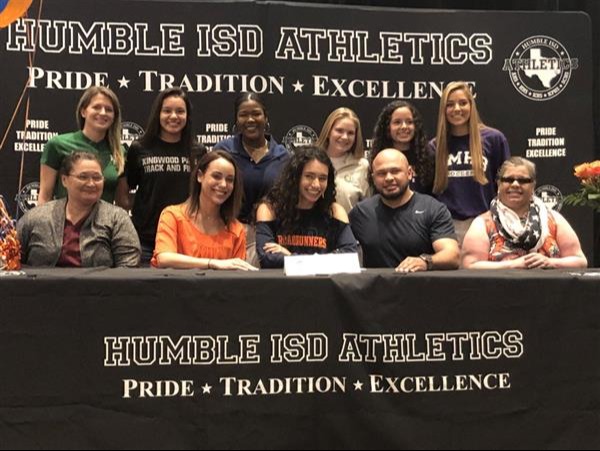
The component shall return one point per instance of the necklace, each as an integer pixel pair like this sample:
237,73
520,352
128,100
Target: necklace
256,153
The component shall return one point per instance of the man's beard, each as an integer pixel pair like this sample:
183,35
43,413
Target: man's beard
397,195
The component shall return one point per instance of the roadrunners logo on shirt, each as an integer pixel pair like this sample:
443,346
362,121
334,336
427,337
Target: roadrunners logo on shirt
299,136
540,68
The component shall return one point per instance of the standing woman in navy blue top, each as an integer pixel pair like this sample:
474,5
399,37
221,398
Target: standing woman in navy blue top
468,156
258,156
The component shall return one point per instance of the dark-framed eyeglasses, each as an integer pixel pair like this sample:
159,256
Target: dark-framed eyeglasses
519,180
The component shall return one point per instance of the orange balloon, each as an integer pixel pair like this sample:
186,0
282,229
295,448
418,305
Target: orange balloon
13,11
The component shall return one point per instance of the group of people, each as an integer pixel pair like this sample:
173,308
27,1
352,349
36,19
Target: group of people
416,205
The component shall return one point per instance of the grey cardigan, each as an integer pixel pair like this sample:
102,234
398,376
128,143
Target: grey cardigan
108,237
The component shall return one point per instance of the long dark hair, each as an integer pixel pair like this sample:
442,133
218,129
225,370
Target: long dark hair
231,207
285,195
153,127
423,163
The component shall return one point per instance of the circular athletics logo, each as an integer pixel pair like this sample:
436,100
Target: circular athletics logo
551,196
540,68
27,199
131,132
299,136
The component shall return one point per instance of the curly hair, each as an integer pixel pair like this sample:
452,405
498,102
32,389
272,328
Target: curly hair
423,163
284,196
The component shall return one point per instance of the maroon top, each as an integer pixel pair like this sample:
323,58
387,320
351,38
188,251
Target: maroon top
70,256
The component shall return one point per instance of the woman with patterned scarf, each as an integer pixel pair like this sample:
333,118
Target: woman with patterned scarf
519,231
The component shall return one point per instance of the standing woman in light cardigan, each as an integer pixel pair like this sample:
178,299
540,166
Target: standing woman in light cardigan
342,139
98,115
468,156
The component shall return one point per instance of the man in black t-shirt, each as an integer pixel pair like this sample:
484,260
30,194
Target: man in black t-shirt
399,228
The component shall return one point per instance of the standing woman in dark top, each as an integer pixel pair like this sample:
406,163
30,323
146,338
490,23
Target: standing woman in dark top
468,155
299,215
159,165
259,157
400,126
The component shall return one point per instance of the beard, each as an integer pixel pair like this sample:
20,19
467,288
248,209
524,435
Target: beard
397,195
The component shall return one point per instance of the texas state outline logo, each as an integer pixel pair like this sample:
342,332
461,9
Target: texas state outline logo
540,68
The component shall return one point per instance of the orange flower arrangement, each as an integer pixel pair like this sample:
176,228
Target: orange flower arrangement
589,194
587,171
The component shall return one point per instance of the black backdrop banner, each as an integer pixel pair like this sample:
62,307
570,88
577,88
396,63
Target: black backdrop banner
149,359
531,73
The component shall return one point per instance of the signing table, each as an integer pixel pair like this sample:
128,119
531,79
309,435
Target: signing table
110,358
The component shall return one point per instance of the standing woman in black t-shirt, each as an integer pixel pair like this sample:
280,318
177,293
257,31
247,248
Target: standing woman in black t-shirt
159,165
299,215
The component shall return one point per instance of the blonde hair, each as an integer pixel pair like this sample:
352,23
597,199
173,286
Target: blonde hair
358,148
114,132
443,132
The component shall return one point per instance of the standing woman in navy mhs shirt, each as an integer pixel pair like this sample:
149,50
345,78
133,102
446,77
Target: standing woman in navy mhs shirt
258,156
468,156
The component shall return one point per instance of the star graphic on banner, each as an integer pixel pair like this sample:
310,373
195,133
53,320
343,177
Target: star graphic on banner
206,389
298,87
123,82
358,386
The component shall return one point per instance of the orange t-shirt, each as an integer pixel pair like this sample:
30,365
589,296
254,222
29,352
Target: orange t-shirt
177,233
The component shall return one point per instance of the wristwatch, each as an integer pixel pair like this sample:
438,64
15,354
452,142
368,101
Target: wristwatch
427,259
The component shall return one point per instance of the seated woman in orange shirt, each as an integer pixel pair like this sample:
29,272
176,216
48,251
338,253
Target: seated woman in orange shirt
203,232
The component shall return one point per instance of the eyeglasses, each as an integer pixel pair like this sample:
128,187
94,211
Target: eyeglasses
84,178
519,180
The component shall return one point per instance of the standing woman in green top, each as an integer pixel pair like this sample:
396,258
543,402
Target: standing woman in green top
99,118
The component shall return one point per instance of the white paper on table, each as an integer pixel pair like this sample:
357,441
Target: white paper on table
325,264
